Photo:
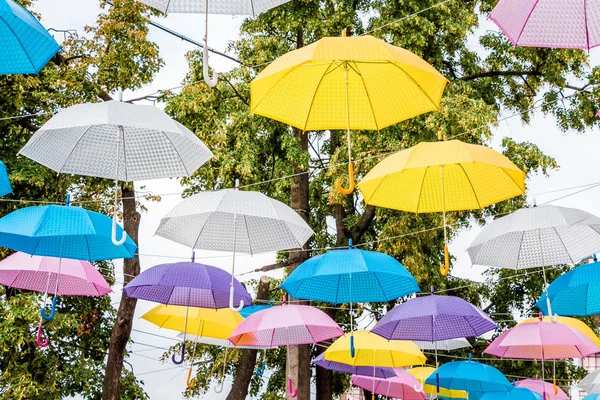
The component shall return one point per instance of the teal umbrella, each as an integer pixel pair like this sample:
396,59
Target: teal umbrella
5,187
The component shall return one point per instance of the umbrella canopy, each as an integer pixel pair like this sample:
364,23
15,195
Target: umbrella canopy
213,341
26,44
249,310
115,140
422,373
591,383
549,23
77,278
5,187
373,350
285,325
591,396
470,376
379,372
229,7
61,231
353,275
186,284
575,293
542,388
446,345
537,236
514,394
402,386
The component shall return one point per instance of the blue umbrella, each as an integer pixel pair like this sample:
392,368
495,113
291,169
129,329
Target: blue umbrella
5,187
26,45
249,310
592,396
514,394
575,293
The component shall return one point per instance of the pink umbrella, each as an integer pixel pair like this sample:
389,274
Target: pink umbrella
542,387
402,386
41,274
285,325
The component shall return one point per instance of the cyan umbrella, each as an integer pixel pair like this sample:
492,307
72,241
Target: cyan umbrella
26,45
592,396
249,310
5,187
575,293
514,394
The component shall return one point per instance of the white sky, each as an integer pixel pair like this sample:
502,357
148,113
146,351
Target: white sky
576,154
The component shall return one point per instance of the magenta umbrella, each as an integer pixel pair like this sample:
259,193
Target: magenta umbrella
285,325
542,387
402,386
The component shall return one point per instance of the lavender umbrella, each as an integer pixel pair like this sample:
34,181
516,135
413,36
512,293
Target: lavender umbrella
380,372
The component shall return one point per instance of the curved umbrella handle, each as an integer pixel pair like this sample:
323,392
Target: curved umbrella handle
117,242
555,387
175,360
218,388
293,392
260,371
231,307
210,81
189,381
553,317
52,310
445,268
418,387
338,184
352,349
38,338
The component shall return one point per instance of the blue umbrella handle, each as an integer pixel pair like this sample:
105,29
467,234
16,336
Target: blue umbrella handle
260,371
352,349
175,360
52,311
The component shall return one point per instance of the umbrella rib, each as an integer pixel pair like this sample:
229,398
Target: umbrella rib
19,41
88,248
247,234
312,102
417,84
368,96
564,246
519,251
471,184
174,148
526,22
74,147
421,189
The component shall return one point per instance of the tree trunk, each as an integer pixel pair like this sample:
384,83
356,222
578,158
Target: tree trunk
111,389
325,376
245,370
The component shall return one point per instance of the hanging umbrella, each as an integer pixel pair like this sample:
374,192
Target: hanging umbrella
570,322
337,84
591,396
26,44
249,310
442,176
237,221
514,394
5,187
575,293
537,237
542,387
379,372
591,383
446,345
549,23
115,140
347,276
402,386
422,373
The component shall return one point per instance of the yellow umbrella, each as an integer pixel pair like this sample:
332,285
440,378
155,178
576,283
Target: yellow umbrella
422,373
346,83
442,176
372,350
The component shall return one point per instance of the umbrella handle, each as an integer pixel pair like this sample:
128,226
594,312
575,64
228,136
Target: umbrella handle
260,371
114,232
231,307
445,268
188,381
437,381
52,310
555,387
338,184
218,388
293,392
175,360
210,81
38,338
352,349
553,317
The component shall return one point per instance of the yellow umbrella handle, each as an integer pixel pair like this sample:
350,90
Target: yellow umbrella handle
189,381
445,268
372,396
350,189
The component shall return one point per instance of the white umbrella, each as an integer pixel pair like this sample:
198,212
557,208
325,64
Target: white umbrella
447,345
115,140
537,237
229,7
591,383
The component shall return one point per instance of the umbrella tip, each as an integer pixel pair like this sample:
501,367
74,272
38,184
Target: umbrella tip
68,200
349,243
470,356
193,256
595,258
541,316
432,289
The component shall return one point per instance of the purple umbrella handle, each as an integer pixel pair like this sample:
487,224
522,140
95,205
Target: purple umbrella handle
177,362
38,339
52,310
293,392
231,295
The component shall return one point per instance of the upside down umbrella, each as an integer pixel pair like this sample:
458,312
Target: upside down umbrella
337,84
422,373
402,386
115,140
26,44
347,276
379,372
442,176
542,387
5,187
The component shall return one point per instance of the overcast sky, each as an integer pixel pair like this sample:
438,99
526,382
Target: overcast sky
577,155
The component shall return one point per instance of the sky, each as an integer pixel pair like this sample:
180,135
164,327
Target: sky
577,155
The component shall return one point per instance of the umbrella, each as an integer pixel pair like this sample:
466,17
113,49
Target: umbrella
379,372
402,386
115,140
337,84
442,176
537,237
353,275
5,187
446,345
514,394
232,7
591,396
26,45
422,373
571,322
234,220
575,293
542,387
591,383
249,310
549,23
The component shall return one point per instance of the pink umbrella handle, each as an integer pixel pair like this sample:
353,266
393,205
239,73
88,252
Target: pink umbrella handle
293,392
38,339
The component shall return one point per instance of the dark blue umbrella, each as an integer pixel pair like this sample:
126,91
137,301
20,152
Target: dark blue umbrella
26,44
5,187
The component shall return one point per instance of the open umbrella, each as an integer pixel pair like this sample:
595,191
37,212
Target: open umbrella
237,221
337,84
591,396
446,345
574,323
537,237
542,387
379,372
517,393
591,382
442,176
422,373
402,386
26,44
347,276
115,140
5,187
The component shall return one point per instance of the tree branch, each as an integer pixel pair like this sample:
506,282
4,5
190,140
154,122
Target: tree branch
363,224
491,74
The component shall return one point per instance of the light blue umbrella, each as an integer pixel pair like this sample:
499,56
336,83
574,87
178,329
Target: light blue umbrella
26,45
5,187
249,310
592,396
514,394
574,293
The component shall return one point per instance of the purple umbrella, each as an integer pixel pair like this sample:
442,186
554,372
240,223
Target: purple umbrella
380,372
186,284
